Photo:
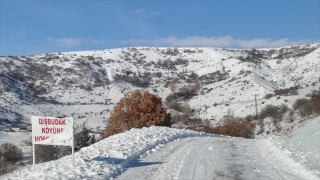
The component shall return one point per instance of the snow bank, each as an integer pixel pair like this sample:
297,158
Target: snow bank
305,142
284,158
104,159
307,138
302,145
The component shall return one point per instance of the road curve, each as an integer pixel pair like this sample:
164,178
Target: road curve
207,158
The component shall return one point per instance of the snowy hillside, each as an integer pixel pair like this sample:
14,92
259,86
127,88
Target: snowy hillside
87,84
166,153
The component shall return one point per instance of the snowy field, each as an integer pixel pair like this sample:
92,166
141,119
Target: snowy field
166,153
237,75
236,90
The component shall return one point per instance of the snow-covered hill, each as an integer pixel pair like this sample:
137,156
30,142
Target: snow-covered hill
87,84
167,153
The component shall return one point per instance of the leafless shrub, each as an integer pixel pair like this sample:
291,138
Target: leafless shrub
284,108
305,110
185,92
299,102
268,96
173,104
82,138
229,118
239,129
275,112
167,64
291,116
186,110
11,152
315,100
142,81
4,168
294,51
261,125
194,122
287,91
189,51
213,77
170,51
48,152
184,115
249,118
190,90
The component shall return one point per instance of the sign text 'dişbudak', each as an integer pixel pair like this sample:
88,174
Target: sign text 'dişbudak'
52,130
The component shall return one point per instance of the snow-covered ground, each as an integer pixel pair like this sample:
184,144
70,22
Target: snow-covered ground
167,153
16,138
243,73
303,144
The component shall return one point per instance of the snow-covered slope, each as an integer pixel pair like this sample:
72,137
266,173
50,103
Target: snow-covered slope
106,158
87,84
305,141
166,153
307,138
301,141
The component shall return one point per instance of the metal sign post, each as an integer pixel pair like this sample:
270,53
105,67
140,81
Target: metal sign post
33,156
72,150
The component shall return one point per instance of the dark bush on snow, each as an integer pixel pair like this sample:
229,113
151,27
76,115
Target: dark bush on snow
10,152
239,129
287,91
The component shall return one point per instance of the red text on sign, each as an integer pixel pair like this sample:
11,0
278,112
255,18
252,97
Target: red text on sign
40,138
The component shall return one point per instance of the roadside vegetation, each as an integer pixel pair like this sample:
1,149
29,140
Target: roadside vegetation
143,109
271,118
9,155
136,110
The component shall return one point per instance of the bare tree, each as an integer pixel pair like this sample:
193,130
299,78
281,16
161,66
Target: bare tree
229,118
11,152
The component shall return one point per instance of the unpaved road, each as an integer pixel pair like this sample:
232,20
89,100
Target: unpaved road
208,158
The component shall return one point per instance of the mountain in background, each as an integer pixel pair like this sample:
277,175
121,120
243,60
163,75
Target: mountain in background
87,84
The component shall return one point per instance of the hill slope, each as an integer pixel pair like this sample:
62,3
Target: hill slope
167,153
87,84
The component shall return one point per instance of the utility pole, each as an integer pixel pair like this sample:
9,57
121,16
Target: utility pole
256,104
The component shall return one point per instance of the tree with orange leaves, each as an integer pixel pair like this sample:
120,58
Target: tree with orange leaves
135,110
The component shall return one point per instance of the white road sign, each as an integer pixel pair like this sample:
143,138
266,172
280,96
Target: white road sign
52,130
